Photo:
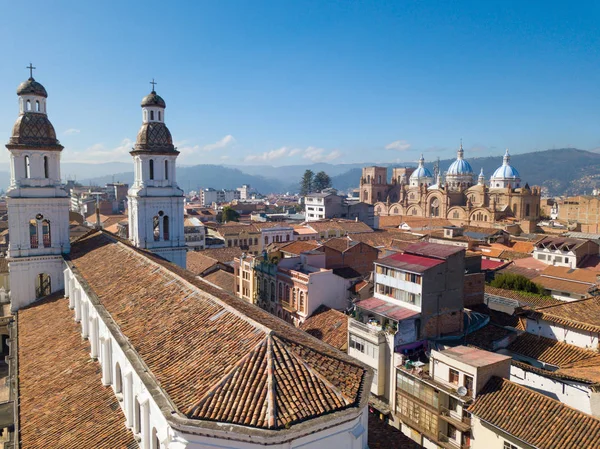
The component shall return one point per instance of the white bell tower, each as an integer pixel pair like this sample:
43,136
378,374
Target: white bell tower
155,199
38,205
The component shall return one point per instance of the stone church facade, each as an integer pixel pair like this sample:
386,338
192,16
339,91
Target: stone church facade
456,197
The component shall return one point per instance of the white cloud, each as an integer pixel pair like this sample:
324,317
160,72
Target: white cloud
71,131
223,143
99,153
398,145
295,151
320,155
269,155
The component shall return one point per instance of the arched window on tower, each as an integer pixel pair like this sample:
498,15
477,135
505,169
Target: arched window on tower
159,116
166,228
46,168
434,210
37,106
47,236
151,115
166,168
28,105
156,228
151,164
27,168
145,115
33,234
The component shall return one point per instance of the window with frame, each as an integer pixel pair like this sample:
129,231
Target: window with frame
468,384
453,376
451,432
508,445
417,414
357,343
417,389
452,404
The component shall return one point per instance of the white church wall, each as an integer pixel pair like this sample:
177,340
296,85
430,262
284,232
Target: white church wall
345,432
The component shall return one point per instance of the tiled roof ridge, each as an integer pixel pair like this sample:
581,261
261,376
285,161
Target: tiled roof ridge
164,267
314,372
542,309
558,374
500,381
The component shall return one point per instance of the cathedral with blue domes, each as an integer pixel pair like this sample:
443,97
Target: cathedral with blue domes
457,195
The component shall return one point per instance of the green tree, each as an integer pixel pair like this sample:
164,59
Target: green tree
511,281
321,181
229,214
306,183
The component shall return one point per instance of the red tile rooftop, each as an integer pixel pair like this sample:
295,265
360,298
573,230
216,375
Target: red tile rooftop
410,262
386,309
487,264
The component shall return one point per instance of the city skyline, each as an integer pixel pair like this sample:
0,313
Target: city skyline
267,83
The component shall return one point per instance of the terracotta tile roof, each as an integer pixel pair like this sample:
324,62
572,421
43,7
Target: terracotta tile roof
562,285
340,244
223,279
381,238
61,396
523,247
524,299
198,263
223,255
582,314
348,226
393,221
562,243
570,274
217,357
534,418
513,255
299,246
588,375
232,229
328,325
550,351
531,263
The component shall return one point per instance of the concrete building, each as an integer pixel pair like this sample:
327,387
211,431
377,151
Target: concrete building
418,297
579,213
195,233
564,251
328,204
432,396
210,196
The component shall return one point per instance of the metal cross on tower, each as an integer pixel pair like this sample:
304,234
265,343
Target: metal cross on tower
32,68
153,84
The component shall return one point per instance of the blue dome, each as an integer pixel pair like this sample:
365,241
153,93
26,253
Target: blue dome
421,172
460,167
506,171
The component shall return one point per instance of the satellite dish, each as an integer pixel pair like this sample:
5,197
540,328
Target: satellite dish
462,391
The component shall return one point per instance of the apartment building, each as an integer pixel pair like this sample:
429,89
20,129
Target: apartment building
418,296
432,395
564,251
194,232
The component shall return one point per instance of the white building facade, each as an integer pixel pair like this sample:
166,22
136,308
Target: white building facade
155,200
38,205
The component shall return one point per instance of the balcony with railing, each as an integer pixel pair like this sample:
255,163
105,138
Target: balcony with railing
449,443
462,423
370,329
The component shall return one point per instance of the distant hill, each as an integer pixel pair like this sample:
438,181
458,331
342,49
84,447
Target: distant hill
217,176
565,171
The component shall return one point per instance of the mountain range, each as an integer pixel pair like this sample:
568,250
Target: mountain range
564,171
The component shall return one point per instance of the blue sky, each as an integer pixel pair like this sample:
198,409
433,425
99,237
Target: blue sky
293,82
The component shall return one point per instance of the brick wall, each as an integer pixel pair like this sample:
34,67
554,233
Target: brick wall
474,289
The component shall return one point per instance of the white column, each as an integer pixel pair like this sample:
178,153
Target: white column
94,340
145,425
67,285
85,319
73,292
106,362
77,305
128,399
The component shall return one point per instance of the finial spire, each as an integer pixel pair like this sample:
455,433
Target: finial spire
506,157
154,83
31,69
